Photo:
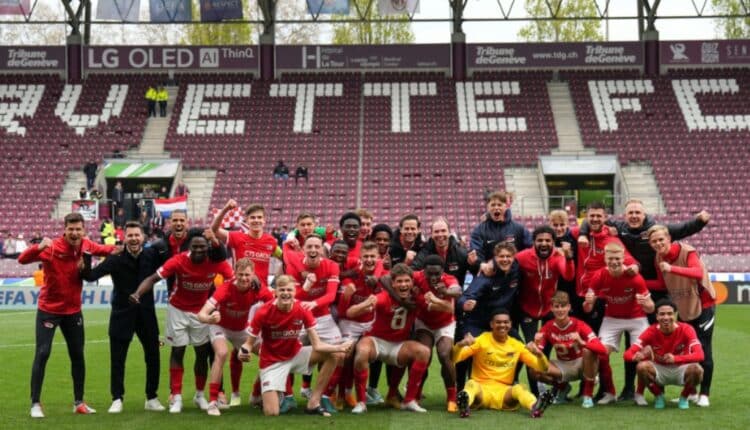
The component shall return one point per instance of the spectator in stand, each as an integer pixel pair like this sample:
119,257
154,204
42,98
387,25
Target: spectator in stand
162,96
301,172
36,239
89,169
95,194
118,196
148,192
281,171
151,101
120,218
83,194
145,222
9,247
163,192
107,232
157,225
21,244
181,190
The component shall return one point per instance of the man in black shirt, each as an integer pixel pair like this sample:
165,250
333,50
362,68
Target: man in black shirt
128,269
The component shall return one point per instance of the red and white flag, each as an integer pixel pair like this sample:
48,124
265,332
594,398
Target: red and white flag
233,220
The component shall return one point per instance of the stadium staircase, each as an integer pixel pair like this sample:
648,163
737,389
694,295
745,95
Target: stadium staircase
641,184
566,124
524,183
199,182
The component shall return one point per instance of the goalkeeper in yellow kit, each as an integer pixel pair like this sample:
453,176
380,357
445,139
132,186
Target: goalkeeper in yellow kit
495,355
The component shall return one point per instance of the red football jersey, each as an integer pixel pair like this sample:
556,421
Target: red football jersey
325,288
61,293
682,343
234,306
433,319
619,293
566,349
361,293
392,321
193,282
280,331
258,250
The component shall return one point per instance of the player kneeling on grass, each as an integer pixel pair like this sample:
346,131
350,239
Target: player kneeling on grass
576,348
388,341
227,311
279,324
495,356
668,353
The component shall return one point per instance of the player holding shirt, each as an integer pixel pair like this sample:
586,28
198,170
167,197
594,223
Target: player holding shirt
233,300
627,302
279,324
194,279
668,353
576,349
495,356
60,305
436,324
388,341
356,308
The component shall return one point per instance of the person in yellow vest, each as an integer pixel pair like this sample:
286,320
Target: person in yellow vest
162,96
151,101
38,277
107,231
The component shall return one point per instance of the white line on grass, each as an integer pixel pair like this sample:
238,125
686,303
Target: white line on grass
26,345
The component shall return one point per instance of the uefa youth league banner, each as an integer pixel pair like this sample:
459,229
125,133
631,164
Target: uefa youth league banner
20,293
171,10
328,7
696,52
363,57
15,7
32,57
171,57
525,55
220,10
118,10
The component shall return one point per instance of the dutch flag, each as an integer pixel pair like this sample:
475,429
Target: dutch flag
166,206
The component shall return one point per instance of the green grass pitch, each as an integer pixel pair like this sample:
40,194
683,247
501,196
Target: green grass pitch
728,410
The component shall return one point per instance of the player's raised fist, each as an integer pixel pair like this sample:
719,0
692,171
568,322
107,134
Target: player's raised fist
45,243
231,204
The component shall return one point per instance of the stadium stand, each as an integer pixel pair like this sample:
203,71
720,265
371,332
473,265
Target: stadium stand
691,125
427,144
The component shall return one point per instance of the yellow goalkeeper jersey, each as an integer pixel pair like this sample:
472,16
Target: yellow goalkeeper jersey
495,362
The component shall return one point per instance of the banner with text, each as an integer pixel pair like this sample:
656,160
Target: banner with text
93,296
171,57
32,57
220,10
170,10
521,55
695,52
15,7
118,10
361,57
